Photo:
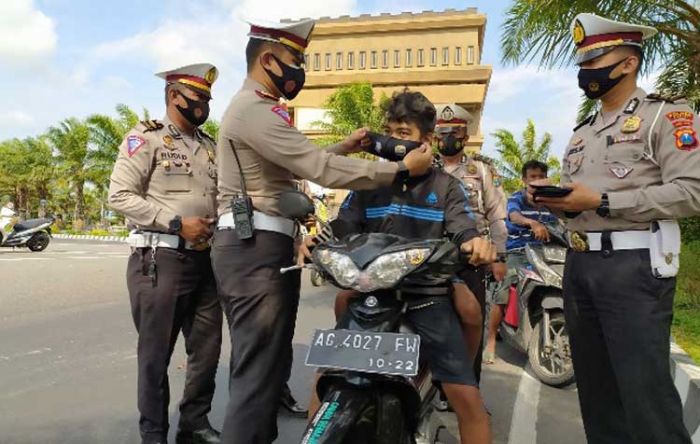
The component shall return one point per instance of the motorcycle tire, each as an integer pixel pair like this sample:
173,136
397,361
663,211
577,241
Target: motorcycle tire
534,350
316,278
39,242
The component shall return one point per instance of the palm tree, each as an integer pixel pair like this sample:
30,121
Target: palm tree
539,30
351,107
513,155
106,134
26,171
71,141
211,127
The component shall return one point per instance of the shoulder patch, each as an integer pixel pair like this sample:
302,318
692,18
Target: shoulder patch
151,125
133,144
283,113
583,122
686,139
681,119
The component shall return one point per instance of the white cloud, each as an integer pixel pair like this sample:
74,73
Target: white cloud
549,98
279,9
26,34
219,38
16,118
507,83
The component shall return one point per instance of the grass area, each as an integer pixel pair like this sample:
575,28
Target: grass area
686,315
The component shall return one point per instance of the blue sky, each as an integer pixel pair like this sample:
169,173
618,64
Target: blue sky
61,58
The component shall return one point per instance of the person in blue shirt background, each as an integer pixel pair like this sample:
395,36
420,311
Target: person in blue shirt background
526,225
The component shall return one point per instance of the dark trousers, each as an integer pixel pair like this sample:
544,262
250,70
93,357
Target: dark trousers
184,298
618,317
261,308
475,280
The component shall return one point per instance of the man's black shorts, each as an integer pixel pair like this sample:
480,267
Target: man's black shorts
442,342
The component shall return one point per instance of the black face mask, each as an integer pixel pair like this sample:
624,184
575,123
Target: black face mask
290,82
597,82
450,145
190,113
390,148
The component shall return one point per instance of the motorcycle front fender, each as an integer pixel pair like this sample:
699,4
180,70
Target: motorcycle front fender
336,416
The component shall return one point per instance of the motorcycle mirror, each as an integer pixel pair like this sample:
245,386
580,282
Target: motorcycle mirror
296,205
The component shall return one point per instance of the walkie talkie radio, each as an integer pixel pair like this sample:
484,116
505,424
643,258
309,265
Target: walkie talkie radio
242,206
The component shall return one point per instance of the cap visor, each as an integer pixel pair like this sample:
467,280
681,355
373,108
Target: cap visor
595,53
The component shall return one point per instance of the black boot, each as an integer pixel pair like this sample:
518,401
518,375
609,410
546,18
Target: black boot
203,436
290,404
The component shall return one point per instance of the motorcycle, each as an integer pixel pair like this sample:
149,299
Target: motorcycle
374,387
534,320
34,234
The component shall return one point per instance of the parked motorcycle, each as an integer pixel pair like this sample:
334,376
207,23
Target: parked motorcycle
34,234
534,320
375,388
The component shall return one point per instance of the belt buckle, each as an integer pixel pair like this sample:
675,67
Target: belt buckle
579,241
200,246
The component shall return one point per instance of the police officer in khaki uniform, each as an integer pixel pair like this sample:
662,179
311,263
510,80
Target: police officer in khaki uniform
164,182
260,154
488,202
634,167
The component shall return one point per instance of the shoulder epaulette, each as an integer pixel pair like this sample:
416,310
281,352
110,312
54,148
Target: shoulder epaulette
661,98
151,125
207,136
266,95
583,122
482,158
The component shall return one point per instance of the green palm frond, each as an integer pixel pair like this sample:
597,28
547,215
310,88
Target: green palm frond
538,31
514,154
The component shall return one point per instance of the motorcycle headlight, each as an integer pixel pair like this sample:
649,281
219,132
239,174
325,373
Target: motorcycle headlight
340,266
549,276
388,269
554,254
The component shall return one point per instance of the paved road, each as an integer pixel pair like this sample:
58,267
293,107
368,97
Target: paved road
68,361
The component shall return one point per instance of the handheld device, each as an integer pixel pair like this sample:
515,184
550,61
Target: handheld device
550,191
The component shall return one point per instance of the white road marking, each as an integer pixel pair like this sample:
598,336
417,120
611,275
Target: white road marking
523,427
17,259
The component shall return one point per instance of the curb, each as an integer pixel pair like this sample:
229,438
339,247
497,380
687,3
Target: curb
117,239
686,377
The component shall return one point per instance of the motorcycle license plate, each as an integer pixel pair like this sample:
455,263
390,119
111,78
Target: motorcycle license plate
384,353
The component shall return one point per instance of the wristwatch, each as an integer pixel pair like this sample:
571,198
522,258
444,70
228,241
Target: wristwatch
501,258
175,225
604,209
402,174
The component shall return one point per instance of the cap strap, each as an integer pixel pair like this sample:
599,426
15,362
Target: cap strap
194,81
279,35
634,37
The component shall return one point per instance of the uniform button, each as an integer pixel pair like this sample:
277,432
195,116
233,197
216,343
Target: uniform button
607,253
636,156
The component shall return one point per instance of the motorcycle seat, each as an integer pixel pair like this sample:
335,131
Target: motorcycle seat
29,224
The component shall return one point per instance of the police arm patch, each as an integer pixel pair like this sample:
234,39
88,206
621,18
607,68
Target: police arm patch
133,144
686,139
283,113
681,119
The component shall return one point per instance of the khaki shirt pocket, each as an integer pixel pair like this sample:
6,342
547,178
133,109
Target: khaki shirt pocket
573,163
176,180
628,152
